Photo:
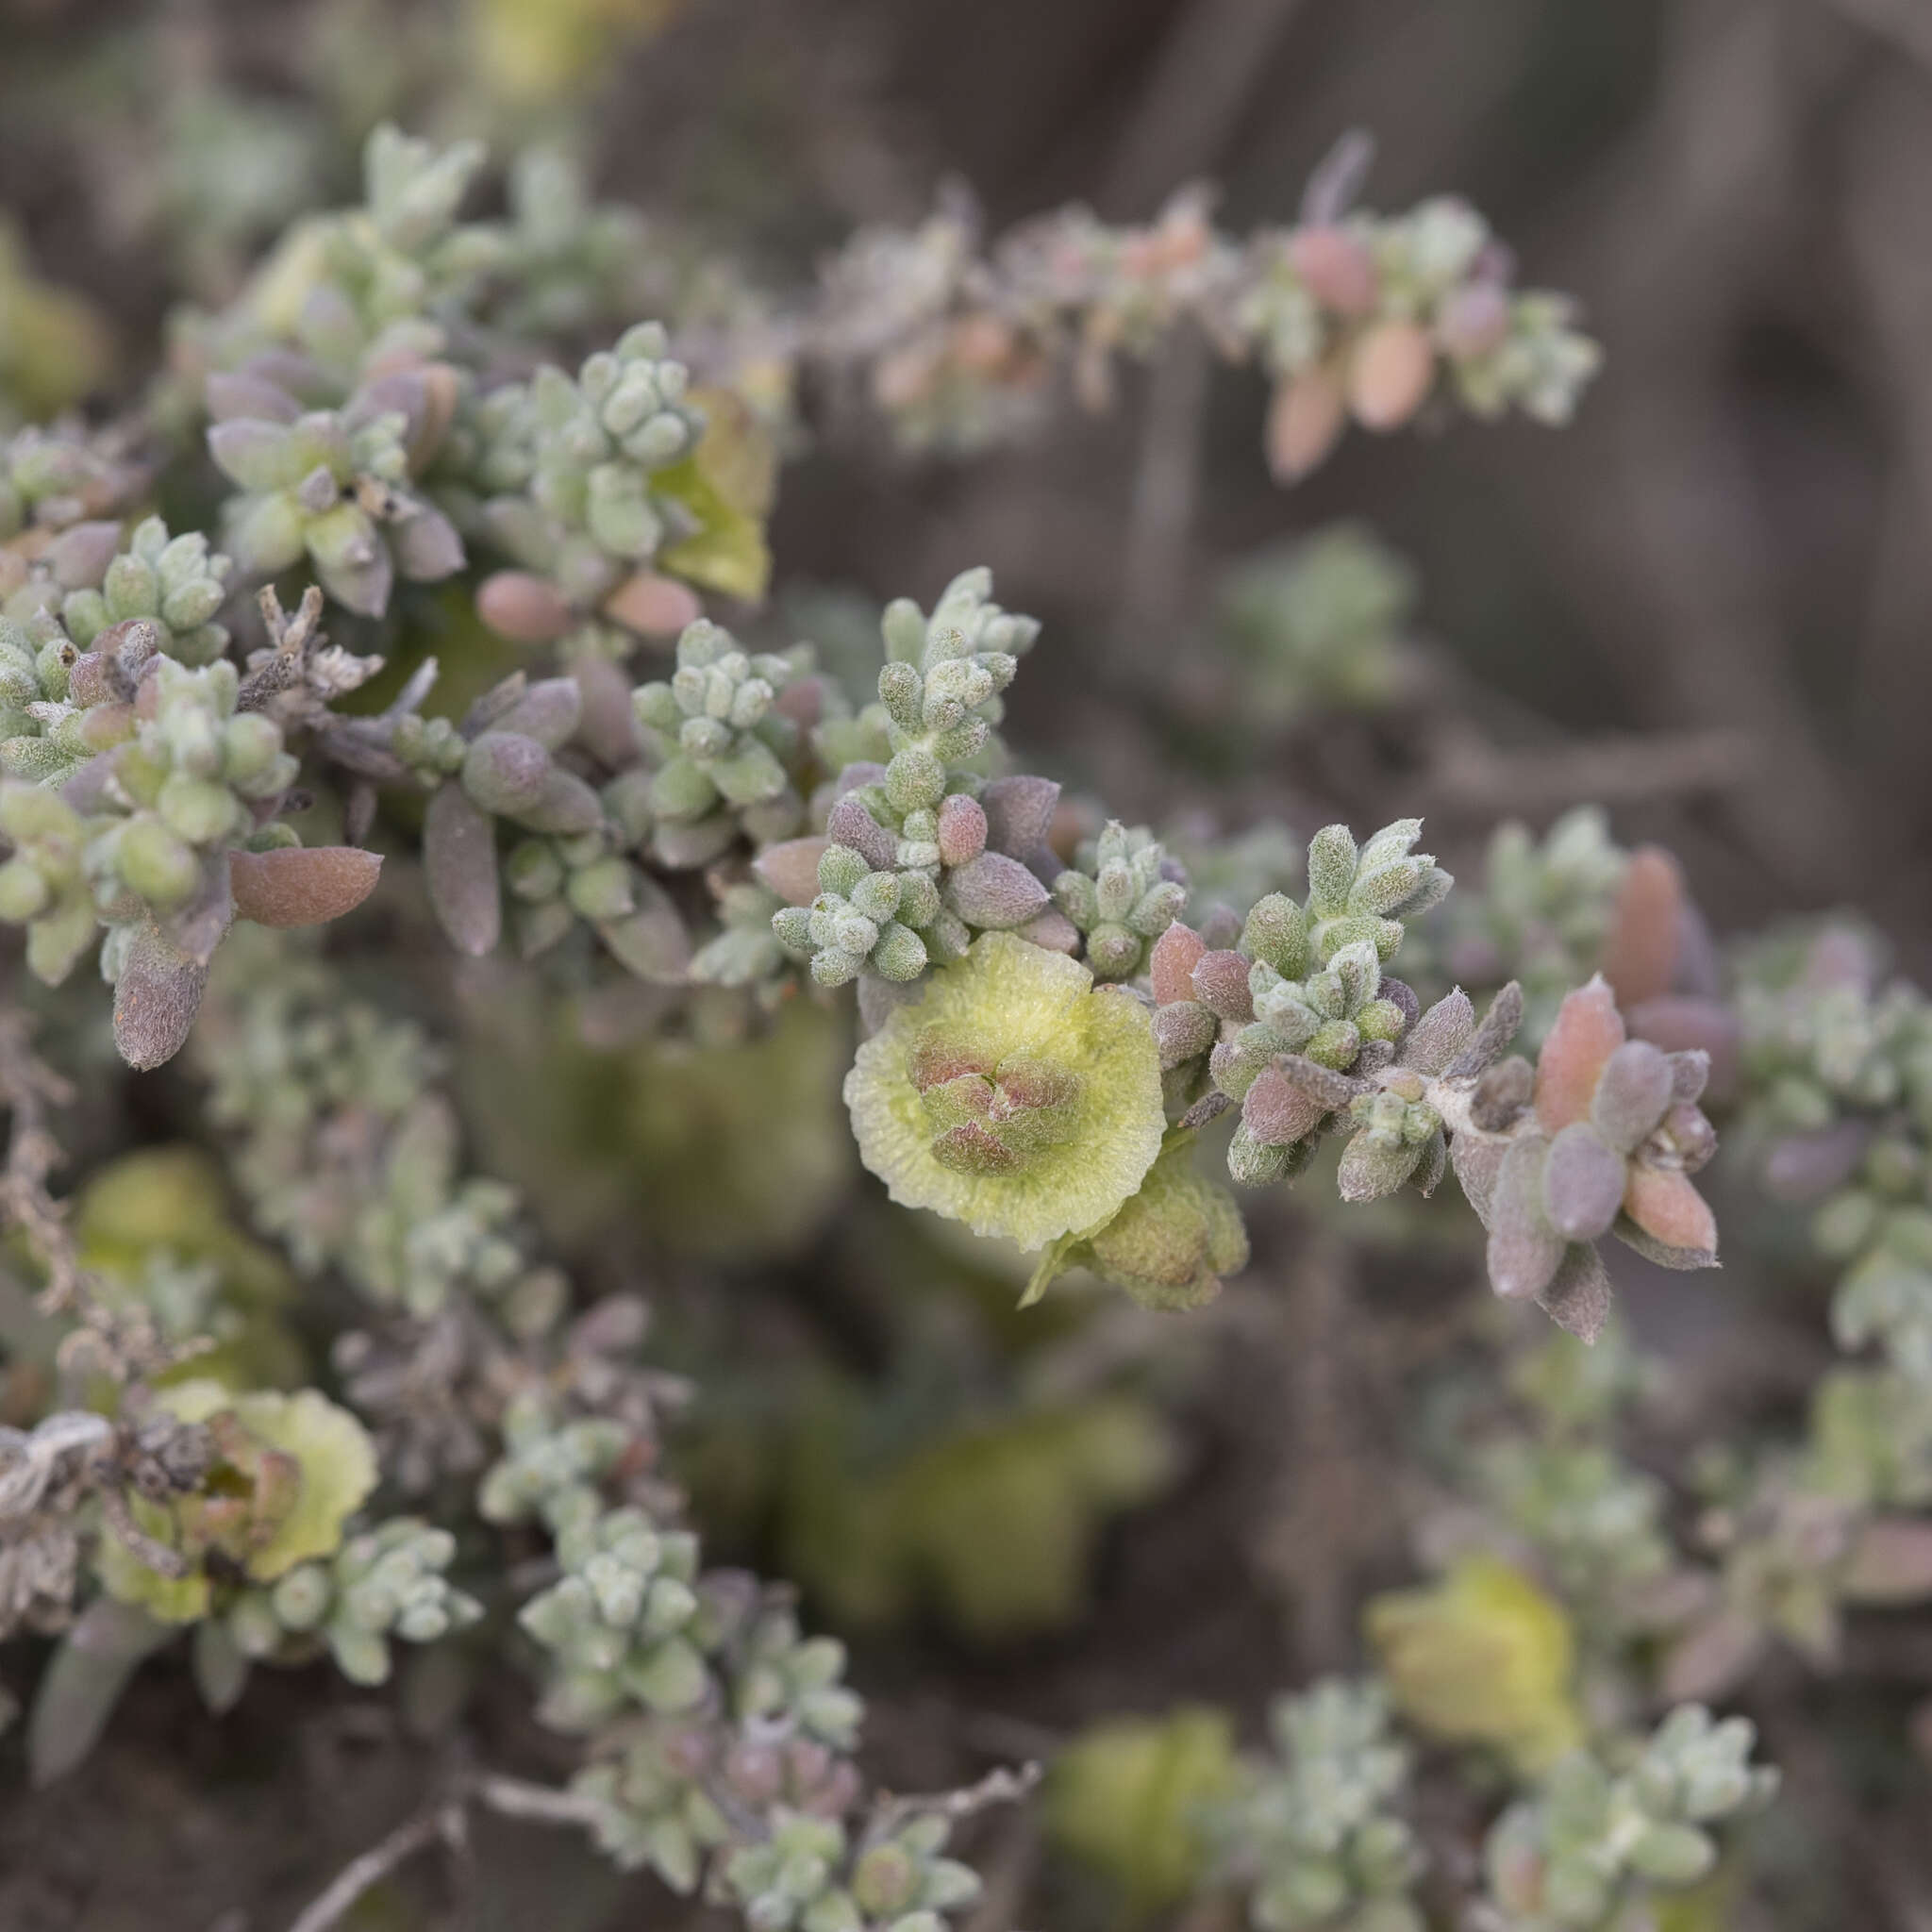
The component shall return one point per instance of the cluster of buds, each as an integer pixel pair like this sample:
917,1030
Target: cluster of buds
165,834
569,467
968,864
50,479
1306,984
504,763
550,1469
175,583
1353,315
1601,1136
1313,1835
1593,1840
728,747
921,852
47,729
1123,893
384,1584
806,1876
336,486
618,1622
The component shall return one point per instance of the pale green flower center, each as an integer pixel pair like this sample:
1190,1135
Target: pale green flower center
990,1114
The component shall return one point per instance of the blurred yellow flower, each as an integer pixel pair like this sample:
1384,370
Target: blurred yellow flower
1482,1658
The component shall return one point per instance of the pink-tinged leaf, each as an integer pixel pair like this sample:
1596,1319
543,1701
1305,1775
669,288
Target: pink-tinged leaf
1391,374
1640,950
850,823
460,861
1712,1657
1632,1093
302,885
1583,1184
994,892
1667,1207
523,606
1306,417
1171,963
1891,1563
653,605
791,869
1221,981
1051,928
961,829
1183,1030
1019,814
156,1000
1524,1250
606,724
1587,1032
1277,1112
1337,269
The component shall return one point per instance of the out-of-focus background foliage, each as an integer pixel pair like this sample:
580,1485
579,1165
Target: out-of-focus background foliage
1707,606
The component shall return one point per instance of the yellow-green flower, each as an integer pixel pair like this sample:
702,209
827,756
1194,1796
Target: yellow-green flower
1482,1658
1013,1097
290,1471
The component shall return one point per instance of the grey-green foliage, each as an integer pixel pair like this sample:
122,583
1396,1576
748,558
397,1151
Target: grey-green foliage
1317,625
725,749
384,1585
1597,1837
745,951
923,850
333,487
570,261
176,582
190,781
616,1623
942,683
806,1876
1121,895
46,732
54,475
1313,1834
550,1468
862,918
1838,1073
566,462
428,1231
